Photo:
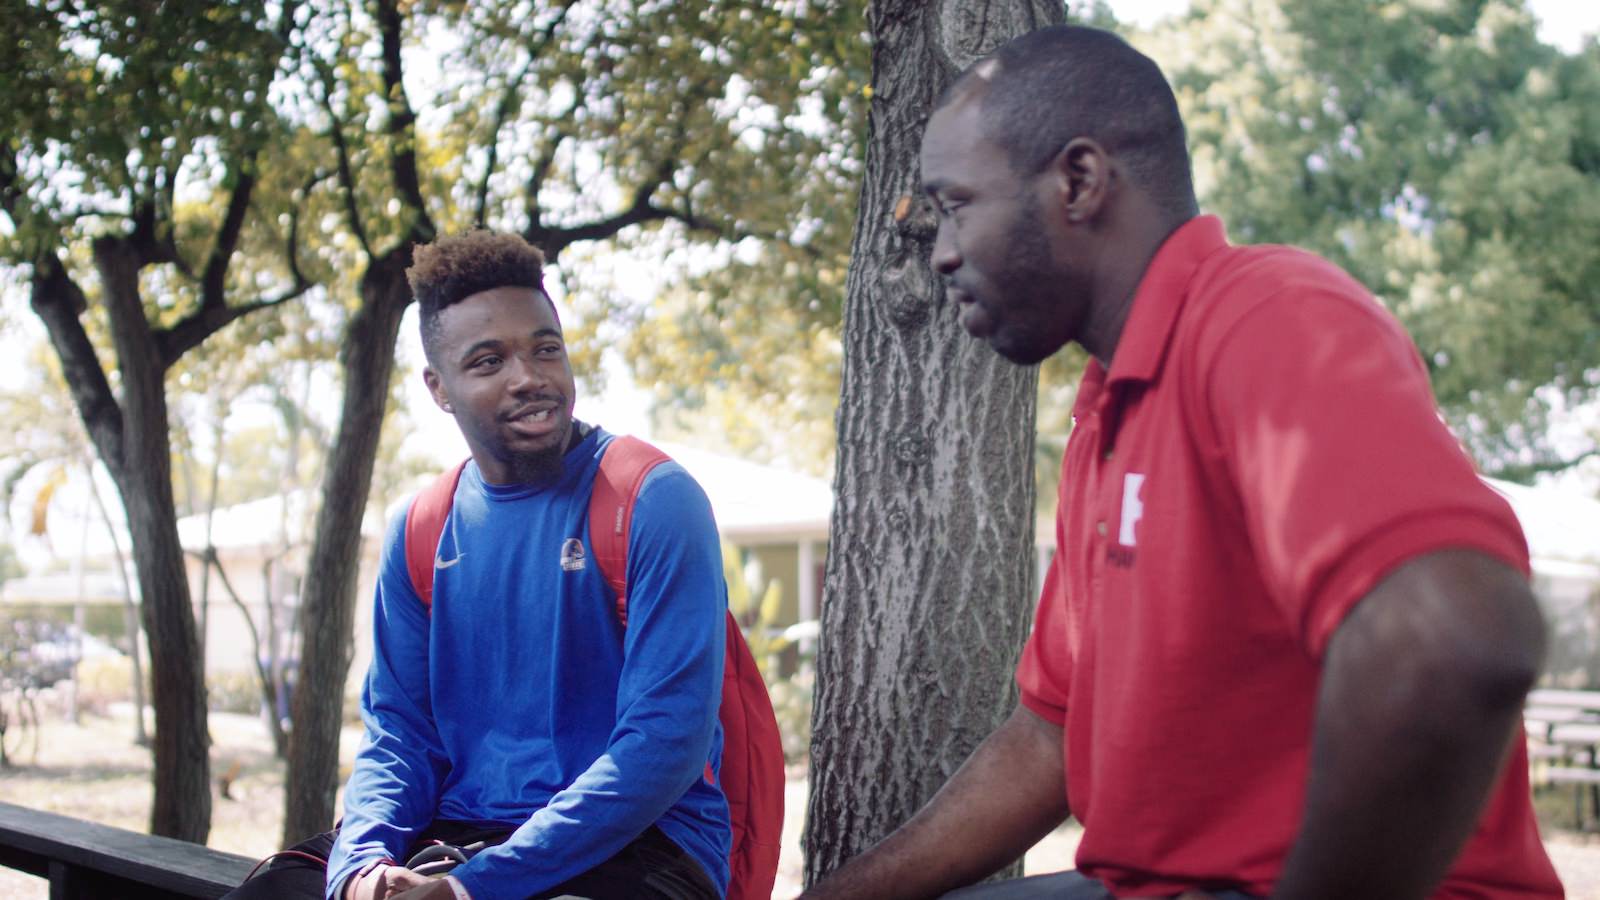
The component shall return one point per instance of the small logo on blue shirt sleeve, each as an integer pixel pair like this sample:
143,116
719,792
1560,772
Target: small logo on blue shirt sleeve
572,555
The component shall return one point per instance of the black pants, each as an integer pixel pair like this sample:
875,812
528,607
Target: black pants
650,867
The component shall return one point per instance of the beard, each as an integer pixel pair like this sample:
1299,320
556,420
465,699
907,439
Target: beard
538,466
1031,283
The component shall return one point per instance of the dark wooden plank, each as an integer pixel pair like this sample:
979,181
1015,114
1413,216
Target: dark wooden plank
33,838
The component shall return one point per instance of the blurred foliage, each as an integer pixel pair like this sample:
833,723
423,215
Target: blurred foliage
104,680
1434,148
1368,134
1442,154
792,699
35,652
10,565
233,691
756,604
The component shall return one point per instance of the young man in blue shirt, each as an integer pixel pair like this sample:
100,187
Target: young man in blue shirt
519,710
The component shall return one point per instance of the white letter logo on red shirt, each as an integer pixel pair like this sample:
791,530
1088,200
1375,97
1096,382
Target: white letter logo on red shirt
1132,508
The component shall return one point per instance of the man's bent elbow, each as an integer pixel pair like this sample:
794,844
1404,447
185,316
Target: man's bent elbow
1451,631
1488,634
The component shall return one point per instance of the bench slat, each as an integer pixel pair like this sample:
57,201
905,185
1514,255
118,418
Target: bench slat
1570,775
30,839
1555,697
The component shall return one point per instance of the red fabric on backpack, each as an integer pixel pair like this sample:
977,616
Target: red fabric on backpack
752,751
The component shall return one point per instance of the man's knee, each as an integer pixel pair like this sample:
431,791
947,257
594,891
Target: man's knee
298,872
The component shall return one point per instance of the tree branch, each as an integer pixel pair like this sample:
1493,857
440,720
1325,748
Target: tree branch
213,284
553,240
402,122
347,178
10,180
541,169
58,301
190,331
1524,473
292,246
508,103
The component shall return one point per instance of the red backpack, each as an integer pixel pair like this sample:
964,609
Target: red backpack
752,752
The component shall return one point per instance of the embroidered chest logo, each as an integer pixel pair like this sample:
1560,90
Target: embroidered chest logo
1132,508
572,555
1123,552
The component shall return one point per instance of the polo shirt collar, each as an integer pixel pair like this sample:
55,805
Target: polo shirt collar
1159,299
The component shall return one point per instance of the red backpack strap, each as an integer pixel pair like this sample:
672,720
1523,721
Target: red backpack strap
424,525
623,469
752,776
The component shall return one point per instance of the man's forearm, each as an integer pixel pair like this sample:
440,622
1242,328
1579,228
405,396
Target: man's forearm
1422,691
1007,795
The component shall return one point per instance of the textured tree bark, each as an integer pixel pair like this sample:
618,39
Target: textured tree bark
927,592
328,599
143,475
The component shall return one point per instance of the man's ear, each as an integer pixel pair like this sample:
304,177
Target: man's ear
436,389
1082,171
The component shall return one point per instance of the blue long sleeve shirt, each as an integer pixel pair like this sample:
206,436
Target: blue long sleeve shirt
522,701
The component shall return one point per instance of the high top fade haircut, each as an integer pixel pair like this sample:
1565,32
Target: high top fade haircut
455,267
1049,86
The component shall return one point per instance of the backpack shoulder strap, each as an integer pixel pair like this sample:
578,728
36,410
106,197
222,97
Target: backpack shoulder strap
623,469
424,525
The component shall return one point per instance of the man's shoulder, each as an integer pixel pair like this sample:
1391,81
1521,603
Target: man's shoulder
1237,278
1273,280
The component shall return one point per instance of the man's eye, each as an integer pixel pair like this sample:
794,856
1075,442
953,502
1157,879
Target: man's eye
484,362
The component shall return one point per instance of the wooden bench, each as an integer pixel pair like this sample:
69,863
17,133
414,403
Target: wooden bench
89,861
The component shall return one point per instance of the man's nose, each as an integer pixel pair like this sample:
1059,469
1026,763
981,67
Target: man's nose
946,258
525,375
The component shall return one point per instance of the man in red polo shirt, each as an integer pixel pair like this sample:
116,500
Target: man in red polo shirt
1284,644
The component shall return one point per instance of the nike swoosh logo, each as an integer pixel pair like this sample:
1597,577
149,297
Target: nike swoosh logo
446,563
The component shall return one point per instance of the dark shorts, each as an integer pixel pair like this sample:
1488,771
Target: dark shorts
652,867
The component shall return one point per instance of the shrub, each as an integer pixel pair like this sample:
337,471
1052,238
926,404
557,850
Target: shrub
235,692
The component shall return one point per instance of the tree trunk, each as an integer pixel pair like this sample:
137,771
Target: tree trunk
130,611
328,598
927,592
143,474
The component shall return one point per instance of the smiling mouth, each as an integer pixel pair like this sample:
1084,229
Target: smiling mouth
538,412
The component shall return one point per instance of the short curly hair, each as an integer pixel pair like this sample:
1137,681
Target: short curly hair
455,267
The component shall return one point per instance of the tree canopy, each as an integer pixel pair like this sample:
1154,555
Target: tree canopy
1437,150
1442,154
167,173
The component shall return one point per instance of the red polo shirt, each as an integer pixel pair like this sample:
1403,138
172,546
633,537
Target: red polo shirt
1264,450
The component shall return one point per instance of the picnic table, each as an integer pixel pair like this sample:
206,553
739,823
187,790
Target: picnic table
1563,729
